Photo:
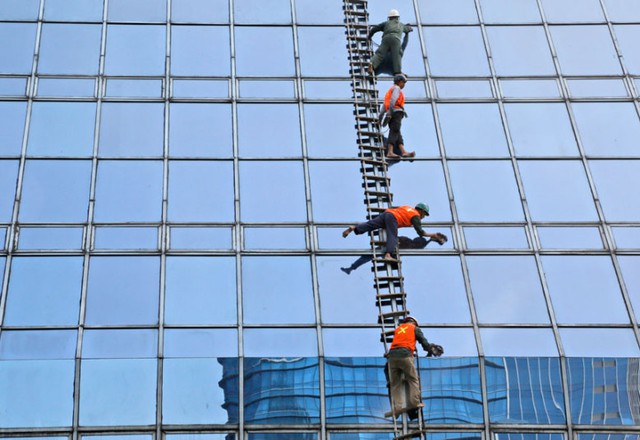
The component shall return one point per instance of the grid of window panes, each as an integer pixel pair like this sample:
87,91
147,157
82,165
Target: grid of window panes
175,175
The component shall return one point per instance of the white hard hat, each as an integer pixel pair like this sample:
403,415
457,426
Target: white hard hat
393,13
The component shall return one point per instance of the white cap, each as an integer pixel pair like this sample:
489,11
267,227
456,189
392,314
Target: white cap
393,13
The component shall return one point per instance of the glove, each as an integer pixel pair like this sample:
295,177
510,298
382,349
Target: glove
410,28
435,350
440,238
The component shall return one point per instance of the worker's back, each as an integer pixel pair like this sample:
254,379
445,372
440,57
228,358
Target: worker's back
393,28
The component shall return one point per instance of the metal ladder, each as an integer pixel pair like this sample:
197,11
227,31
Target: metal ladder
388,279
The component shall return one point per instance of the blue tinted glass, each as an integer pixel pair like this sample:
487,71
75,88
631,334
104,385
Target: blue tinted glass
70,48
73,10
447,299
282,436
627,237
446,46
277,392
329,179
470,187
557,191
608,129
118,392
525,390
201,238
312,12
584,290
126,238
451,390
134,88
322,51
200,343
340,140
123,344
601,391
128,191
327,89
420,131
55,191
530,88
528,436
267,89
631,276
356,391
137,10
200,290
192,51
17,57
262,11
613,179
464,89
66,87
508,342
36,393
268,130
44,291
572,10
623,10
223,436
282,200
472,130
495,301
456,342
541,130
585,50
608,436
570,238
368,341
614,342
131,130
275,238
8,181
510,11
12,117
200,11
19,9
200,130
496,238
62,129
201,191
253,60
37,344
508,43
331,238
199,391
338,307
277,342
200,88
129,298
378,10
13,86
135,50
270,282
455,11
597,87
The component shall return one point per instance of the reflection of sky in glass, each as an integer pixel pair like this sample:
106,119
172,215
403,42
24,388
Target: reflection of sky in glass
564,11
17,57
585,50
629,266
62,129
472,130
508,342
509,43
510,11
455,11
70,49
12,118
8,177
329,179
447,45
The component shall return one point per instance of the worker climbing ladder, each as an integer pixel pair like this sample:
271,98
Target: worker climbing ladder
388,280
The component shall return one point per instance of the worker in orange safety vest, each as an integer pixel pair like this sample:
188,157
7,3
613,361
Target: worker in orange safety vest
393,109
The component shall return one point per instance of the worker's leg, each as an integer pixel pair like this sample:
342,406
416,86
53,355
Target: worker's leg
396,384
395,137
395,47
380,53
391,227
371,225
411,377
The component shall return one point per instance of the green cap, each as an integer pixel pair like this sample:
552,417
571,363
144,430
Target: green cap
424,207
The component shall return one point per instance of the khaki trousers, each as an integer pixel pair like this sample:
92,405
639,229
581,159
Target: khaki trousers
397,367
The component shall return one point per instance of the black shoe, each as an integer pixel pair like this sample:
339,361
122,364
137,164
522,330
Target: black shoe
346,270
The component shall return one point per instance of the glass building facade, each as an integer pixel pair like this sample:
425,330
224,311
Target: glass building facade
175,175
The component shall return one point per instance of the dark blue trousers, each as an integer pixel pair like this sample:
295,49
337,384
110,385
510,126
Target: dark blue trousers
385,220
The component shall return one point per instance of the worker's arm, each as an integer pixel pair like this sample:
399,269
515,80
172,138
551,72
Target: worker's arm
407,28
422,339
375,28
395,94
417,225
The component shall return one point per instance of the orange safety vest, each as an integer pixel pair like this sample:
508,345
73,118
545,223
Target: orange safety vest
387,99
403,214
405,337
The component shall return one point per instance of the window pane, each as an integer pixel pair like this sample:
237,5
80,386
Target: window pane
495,302
63,87
73,10
12,118
49,238
629,267
128,191
448,47
627,237
608,129
584,290
266,89
55,191
70,48
557,191
137,10
470,187
331,238
508,342
193,51
129,298
8,181
200,343
262,11
447,299
585,50
201,192
135,50
37,344
457,342
149,88
543,88
572,10
200,88
19,10
613,181
201,238
510,43
464,89
253,60
275,238
13,86
62,129
283,200
614,342
126,238
131,130
623,10
456,11
368,342
541,130
269,130
276,342
323,51
200,290
510,11
118,392
329,179
472,130
271,282
314,12
496,238
44,291
580,88
340,140
419,131
200,11
119,344
17,57
200,130
570,238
